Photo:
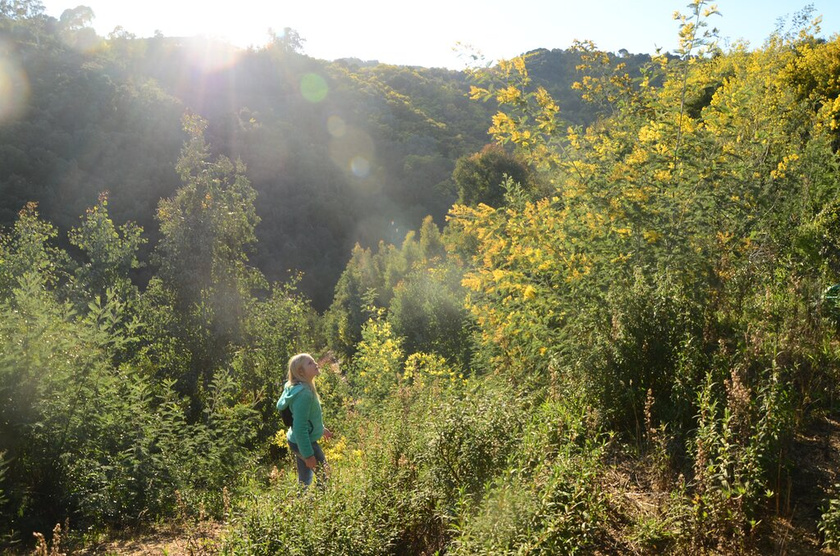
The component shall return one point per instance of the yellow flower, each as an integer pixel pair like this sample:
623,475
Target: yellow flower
782,167
651,236
662,175
508,94
519,64
649,133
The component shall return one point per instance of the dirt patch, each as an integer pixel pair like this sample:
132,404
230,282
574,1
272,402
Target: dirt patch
194,539
805,487
789,524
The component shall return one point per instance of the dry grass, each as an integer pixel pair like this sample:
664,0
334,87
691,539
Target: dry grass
643,506
199,540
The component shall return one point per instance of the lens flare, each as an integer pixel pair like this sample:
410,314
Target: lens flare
360,167
354,152
351,145
313,87
14,90
211,55
336,126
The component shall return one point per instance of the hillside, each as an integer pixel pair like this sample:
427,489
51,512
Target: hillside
339,153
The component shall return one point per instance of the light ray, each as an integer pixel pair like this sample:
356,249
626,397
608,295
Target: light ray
14,89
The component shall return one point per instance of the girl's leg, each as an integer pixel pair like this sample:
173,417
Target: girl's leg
319,454
304,473
322,464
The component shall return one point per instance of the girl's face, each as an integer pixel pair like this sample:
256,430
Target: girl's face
311,370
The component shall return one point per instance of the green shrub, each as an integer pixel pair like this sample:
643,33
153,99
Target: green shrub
549,498
371,503
738,443
283,520
376,367
393,478
428,311
471,436
650,342
100,443
829,523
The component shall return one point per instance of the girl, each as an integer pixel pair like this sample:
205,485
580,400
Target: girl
301,397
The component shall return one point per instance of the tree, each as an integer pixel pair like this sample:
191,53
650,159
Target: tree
207,228
76,19
74,27
357,286
429,313
208,225
110,252
479,177
28,250
431,241
21,9
289,41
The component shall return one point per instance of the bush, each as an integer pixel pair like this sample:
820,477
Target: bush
653,344
549,498
739,441
428,311
376,367
829,524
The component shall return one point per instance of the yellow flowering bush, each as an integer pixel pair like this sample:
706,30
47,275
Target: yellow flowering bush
378,360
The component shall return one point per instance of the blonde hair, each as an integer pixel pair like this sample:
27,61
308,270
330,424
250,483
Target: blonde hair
295,376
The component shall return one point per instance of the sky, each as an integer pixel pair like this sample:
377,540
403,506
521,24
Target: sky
427,33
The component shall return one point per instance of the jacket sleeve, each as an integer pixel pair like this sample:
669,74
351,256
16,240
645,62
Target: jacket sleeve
301,427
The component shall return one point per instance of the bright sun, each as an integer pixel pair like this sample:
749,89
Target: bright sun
366,29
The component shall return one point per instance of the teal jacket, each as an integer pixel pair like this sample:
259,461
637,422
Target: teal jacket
308,426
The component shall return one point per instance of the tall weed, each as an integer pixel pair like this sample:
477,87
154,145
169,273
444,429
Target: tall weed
548,499
739,443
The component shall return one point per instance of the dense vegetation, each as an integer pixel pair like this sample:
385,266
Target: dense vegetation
621,339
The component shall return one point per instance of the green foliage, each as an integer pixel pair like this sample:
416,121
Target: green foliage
479,177
610,348
274,329
558,510
736,447
206,230
481,469
95,441
547,499
164,352
377,364
417,285
680,243
472,437
428,312
280,519
389,490
28,252
110,253
650,342
95,428
829,524
346,315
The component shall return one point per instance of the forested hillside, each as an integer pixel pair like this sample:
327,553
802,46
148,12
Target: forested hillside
338,153
576,302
